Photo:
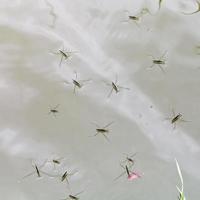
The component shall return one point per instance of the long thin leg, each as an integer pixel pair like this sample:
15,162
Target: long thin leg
133,155
108,84
119,176
78,193
74,90
163,55
110,92
151,56
57,106
125,21
86,80
121,173
182,120
67,181
137,24
174,127
106,126
76,75
151,66
161,68
28,175
66,82
56,53
61,59
95,124
116,79
127,16
121,87
173,112
106,137
94,135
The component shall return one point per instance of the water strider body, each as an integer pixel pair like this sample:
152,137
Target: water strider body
176,118
77,83
103,130
159,62
131,17
129,160
73,197
115,87
37,171
54,110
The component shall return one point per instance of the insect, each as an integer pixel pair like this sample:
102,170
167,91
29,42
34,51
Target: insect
198,9
66,175
103,130
64,55
115,87
77,83
131,175
159,62
136,18
129,159
37,171
54,110
73,197
133,18
176,118
55,162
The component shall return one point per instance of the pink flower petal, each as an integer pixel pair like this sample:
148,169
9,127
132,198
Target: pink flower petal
133,176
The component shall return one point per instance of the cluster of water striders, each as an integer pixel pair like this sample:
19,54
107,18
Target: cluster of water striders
127,164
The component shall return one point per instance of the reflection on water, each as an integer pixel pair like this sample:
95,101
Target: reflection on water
102,47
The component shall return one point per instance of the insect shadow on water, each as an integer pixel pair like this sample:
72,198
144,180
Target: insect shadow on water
176,118
78,84
73,196
37,171
196,11
115,87
129,161
131,175
54,110
64,55
159,62
102,130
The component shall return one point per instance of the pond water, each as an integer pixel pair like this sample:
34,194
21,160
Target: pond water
83,86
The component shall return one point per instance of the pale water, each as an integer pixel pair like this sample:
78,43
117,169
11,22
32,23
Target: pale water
104,46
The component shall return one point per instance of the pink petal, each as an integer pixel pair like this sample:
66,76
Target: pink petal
133,176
